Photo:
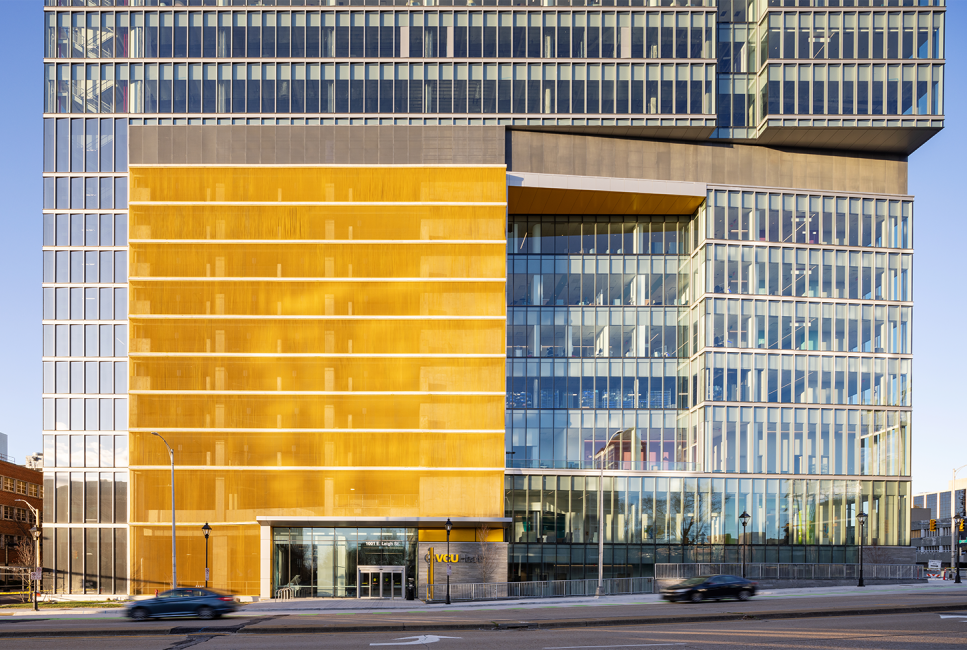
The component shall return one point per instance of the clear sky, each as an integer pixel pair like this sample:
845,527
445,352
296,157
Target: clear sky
937,171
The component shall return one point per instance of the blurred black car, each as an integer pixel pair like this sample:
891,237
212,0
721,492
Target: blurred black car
710,588
193,601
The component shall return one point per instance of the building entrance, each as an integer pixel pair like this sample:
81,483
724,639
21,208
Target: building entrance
380,581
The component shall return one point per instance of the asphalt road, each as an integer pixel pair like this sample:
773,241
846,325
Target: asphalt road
875,632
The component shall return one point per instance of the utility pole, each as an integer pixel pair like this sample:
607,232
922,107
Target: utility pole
954,536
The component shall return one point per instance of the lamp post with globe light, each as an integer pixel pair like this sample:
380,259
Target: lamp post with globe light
861,520
744,518
449,527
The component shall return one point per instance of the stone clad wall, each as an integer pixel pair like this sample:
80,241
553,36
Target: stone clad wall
465,569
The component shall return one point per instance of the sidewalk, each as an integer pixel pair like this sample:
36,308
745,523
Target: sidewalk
310,606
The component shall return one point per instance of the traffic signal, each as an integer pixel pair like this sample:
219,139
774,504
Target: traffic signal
933,525
961,527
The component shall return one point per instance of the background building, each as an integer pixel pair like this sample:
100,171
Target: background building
683,228
18,485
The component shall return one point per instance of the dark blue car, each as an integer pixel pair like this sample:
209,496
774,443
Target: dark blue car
190,601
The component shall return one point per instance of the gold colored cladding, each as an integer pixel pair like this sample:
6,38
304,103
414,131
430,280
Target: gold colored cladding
539,200
318,374
461,535
329,336
397,425
152,411
343,448
233,559
232,495
290,184
336,298
334,222
259,260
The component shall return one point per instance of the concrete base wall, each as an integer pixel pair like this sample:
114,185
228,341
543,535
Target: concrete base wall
891,554
476,562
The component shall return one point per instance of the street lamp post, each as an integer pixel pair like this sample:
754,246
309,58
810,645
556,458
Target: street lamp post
599,592
955,542
744,518
861,520
174,561
35,533
449,526
206,529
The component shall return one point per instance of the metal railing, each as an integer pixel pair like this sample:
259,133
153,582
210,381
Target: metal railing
468,591
759,571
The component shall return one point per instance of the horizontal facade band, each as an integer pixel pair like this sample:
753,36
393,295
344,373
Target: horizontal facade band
805,299
290,430
284,317
278,279
372,522
798,247
795,405
67,432
320,393
319,165
167,524
334,204
297,355
807,353
810,192
315,468
221,242
83,395
50,524
700,474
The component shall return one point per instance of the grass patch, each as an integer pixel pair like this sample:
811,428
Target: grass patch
100,604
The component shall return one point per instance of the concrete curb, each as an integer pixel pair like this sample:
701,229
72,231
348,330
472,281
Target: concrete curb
253,628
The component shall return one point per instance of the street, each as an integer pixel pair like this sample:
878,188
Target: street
885,616
926,630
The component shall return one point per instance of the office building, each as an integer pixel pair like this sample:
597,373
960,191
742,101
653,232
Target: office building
370,266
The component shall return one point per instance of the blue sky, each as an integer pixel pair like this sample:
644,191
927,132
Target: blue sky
936,174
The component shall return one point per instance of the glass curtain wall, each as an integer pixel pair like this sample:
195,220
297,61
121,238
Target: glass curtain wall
85,354
649,519
594,338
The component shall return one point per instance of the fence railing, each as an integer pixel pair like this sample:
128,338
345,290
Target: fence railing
759,571
462,592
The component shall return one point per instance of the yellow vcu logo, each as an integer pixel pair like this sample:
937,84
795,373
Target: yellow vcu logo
453,557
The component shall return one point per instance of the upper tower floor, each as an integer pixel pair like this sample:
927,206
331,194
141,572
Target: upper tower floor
840,74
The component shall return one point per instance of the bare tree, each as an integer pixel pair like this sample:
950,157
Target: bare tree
490,561
24,555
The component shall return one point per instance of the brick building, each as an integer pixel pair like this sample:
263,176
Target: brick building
16,519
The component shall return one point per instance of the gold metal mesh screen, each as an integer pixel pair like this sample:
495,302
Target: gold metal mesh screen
313,341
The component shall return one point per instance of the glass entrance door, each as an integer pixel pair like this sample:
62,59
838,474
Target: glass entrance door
381,581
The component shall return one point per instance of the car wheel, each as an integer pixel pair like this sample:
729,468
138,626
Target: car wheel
696,597
206,613
744,594
139,614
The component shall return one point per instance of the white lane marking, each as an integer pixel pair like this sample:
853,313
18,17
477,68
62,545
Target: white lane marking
954,616
633,645
418,640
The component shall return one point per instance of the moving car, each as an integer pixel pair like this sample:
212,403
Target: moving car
710,587
193,601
